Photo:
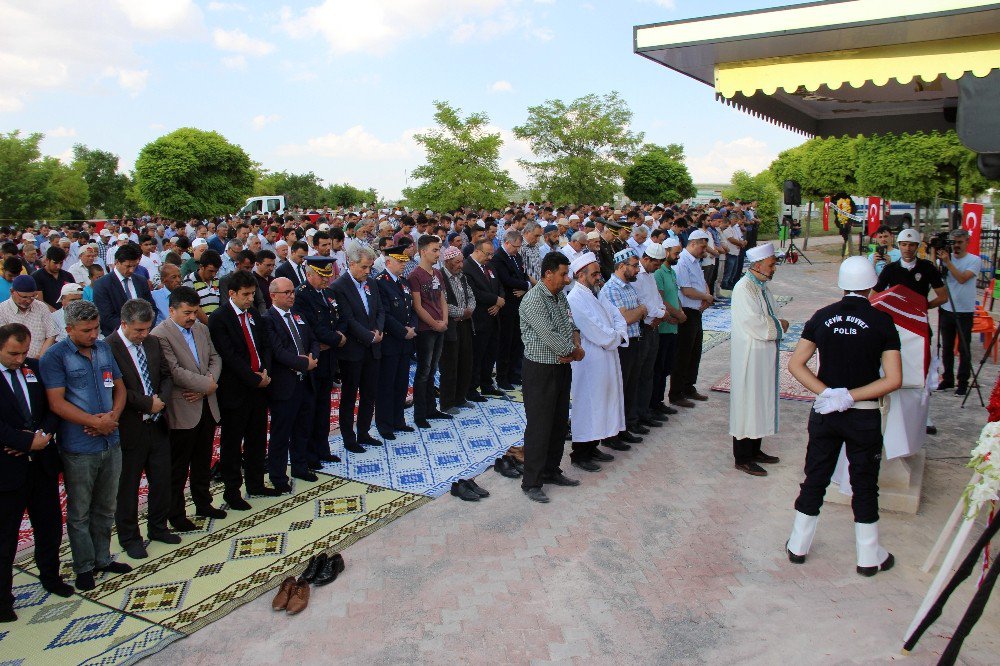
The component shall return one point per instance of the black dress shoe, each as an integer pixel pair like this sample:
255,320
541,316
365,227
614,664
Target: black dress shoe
659,408
404,428
628,438
682,402
751,468
961,390
332,567
615,443
354,447
482,492
312,465
115,568
422,423
183,524
651,423
329,458
368,440
793,558
464,404
536,495
305,476
263,491
165,537
601,456
560,479
504,467
85,581
283,488
638,429
505,386
946,386
236,502
670,411
475,397
8,615
885,566
694,395
136,551
60,588
762,457
386,435
210,512
440,415
312,569
931,430
586,465
462,490
493,391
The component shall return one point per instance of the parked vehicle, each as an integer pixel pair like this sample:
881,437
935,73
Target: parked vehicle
269,203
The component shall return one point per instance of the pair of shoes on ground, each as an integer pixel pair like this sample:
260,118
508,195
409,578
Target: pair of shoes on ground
293,595
537,494
868,572
468,490
509,466
589,463
753,467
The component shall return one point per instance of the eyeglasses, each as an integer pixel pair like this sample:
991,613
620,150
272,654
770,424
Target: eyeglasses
286,291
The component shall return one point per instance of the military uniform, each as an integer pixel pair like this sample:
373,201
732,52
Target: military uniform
394,370
318,308
606,259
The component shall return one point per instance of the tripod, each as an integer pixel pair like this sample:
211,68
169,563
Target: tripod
794,251
975,375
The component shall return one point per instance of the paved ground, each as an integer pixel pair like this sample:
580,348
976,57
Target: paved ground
668,555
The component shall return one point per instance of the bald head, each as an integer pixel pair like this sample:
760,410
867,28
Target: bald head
282,293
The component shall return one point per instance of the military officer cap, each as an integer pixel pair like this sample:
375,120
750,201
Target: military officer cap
611,224
322,265
398,253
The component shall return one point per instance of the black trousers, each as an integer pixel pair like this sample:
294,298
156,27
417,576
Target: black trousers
649,346
319,434
583,450
358,385
40,496
484,355
146,449
430,345
289,436
663,367
629,358
456,365
243,442
746,449
861,430
192,449
510,348
546,409
688,357
393,380
954,324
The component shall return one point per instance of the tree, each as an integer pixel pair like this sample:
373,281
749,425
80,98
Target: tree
191,172
463,164
760,188
657,175
24,178
345,195
106,187
299,189
585,147
68,192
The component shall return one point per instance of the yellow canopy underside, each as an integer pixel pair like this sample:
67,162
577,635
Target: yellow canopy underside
879,64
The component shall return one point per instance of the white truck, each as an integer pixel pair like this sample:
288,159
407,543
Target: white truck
269,203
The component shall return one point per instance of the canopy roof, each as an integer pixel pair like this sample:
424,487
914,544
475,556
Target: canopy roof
838,66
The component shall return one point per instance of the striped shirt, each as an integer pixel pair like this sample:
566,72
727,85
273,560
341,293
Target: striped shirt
622,294
208,292
532,257
546,327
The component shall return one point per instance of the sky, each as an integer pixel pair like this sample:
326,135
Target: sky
339,87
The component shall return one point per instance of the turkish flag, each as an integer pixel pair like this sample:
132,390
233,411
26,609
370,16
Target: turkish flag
972,221
826,213
874,214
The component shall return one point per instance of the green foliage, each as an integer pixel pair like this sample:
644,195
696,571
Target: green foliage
299,189
585,147
821,166
106,187
190,172
463,164
659,174
68,190
24,178
345,195
762,189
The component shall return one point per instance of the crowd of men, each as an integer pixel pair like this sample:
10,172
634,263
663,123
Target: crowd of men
125,343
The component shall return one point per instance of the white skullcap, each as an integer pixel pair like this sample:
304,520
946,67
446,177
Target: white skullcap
198,242
281,243
593,235
574,216
697,234
671,242
582,260
760,252
655,251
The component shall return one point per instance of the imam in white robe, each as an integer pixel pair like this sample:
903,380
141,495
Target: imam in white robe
597,394
756,331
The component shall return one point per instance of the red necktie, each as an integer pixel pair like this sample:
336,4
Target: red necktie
254,359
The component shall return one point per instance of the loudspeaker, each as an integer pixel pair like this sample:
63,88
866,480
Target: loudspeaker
989,165
793,193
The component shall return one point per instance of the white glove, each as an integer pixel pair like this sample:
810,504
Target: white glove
833,400
823,403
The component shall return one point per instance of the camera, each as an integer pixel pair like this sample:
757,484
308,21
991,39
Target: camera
882,250
940,241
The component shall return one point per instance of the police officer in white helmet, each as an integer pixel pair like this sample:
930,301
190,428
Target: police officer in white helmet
854,341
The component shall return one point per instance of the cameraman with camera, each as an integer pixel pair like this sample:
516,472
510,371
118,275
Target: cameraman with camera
962,270
884,252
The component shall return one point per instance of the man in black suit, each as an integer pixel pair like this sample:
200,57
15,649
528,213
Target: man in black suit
509,268
362,320
143,429
239,337
294,357
118,286
29,468
489,301
397,345
244,262
295,268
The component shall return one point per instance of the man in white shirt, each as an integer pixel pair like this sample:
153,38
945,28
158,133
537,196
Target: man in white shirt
694,299
81,269
70,292
637,241
732,239
649,340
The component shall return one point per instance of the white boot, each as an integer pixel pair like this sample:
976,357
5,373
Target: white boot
872,557
803,531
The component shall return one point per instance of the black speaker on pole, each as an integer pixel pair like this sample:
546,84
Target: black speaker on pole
793,193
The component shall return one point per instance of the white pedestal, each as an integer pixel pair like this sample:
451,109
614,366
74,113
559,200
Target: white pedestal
899,484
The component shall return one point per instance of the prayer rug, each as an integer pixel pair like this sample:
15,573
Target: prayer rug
789,387
181,588
791,337
717,322
427,461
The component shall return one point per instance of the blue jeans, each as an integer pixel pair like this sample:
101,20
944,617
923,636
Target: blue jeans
732,274
429,346
91,498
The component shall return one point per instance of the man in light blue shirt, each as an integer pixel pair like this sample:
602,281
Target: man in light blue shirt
957,313
882,238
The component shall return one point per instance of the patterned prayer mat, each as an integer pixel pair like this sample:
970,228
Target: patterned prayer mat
717,322
789,387
180,589
427,461
791,337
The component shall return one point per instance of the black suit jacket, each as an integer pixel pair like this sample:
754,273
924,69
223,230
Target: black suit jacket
259,301
109,297
227,336
510,272
17,433
354,322
287,270
487,289
137,403
286,362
